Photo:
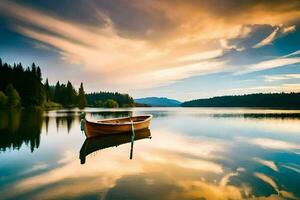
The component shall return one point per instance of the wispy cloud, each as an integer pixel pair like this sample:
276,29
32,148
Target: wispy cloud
267,40
280,77
278,32
296,53
269,64
202,56
168,76
285,87
267,180
267,163
295,168
274,144
289,29
271,182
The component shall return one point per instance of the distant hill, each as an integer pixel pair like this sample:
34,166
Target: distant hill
158,101
274,100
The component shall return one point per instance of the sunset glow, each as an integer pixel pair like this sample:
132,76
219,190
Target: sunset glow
158,48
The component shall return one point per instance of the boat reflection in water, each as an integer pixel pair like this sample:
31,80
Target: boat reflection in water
91,145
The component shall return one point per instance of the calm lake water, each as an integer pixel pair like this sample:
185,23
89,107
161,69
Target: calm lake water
193,153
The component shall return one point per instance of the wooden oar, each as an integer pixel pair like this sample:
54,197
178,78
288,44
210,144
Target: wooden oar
82,122
132,139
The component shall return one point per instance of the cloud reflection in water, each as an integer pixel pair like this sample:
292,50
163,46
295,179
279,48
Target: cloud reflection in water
172,165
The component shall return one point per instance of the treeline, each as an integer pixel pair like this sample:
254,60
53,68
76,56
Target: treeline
65,94
21,87
271,100
109,100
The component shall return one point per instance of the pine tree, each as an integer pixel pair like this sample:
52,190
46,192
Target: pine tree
57,92
33,68
39,74
47,91
81,97
71,94
13,97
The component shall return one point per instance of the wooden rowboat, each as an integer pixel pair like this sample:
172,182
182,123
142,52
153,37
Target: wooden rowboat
116,125
94,144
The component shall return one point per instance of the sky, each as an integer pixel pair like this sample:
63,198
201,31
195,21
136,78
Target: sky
178,49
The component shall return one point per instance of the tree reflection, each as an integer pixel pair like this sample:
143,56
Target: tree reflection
18,127
65,121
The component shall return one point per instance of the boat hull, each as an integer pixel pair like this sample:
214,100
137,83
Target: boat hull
116,126
91,145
